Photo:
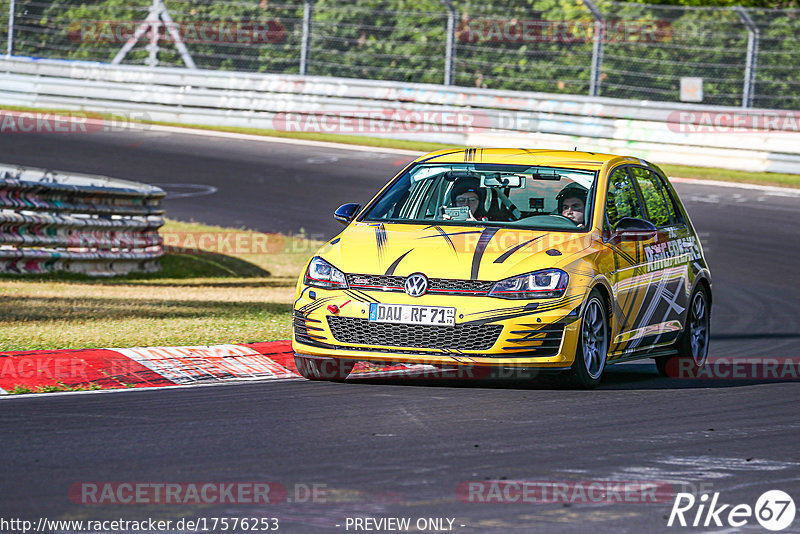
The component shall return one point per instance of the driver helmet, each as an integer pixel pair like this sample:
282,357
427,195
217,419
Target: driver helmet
464,185
573,190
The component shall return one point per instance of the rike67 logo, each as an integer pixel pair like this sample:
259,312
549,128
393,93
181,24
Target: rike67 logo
774,510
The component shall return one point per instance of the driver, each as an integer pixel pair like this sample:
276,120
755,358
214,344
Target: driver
468,192
572,203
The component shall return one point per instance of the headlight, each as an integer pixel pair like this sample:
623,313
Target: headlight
547,284
322,274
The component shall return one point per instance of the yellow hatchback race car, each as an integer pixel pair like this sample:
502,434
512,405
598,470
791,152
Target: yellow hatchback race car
509,259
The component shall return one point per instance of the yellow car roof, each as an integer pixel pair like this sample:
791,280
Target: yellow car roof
526,156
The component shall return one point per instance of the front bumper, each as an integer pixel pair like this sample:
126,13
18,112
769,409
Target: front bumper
489,332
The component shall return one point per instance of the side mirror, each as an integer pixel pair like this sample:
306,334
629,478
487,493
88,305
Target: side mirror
346,212
632,229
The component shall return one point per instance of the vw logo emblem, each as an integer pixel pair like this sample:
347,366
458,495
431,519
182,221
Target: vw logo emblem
416,285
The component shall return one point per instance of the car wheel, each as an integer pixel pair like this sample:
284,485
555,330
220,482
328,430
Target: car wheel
323,368
693,343
590,358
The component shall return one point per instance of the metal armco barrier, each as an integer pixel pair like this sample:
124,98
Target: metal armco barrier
688,134
78,223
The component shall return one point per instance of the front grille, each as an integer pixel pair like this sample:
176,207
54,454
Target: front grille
476,286
543,341
440,286
460,337
376,281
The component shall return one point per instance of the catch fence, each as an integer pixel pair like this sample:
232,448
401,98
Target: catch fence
746,57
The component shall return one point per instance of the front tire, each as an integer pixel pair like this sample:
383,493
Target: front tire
592,352
331,369
693,343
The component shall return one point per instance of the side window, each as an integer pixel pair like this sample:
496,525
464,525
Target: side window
653,196
621,200
669,196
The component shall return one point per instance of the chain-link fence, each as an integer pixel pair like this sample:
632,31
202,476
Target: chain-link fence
745,57
741,54
4,26
506,46
706,43
383,40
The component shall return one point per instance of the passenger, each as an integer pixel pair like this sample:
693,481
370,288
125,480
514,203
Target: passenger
468,192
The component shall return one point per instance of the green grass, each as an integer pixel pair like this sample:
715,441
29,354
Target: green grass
198,298
51,388
682,171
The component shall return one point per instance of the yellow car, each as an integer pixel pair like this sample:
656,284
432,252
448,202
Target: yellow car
509,259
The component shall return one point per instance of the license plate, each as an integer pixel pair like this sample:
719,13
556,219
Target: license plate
412,314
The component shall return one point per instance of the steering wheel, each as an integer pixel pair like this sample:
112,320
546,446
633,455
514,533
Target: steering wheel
563,217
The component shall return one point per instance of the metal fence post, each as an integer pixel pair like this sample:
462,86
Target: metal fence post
157,16
171,29
10,47
308,13
752,57
450,46
152,59
597,48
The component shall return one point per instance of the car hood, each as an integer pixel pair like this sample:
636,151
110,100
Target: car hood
457,252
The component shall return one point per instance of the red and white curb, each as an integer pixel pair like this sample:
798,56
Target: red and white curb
190,365
145,366
148,367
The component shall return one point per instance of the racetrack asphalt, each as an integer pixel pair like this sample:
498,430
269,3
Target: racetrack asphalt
384,447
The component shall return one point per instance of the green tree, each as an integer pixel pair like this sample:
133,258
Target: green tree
401,40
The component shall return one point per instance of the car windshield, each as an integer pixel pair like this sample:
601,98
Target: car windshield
551,198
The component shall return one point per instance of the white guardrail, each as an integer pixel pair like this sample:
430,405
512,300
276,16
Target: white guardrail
688,134
78,223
